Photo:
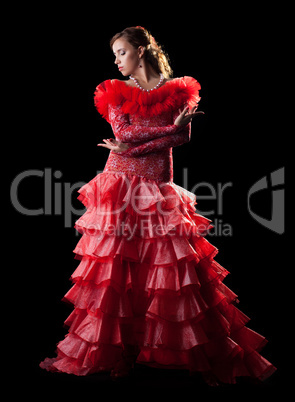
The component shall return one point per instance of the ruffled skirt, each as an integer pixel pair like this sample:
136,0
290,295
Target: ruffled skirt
147,277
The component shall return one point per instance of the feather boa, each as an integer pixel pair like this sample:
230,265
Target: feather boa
171,96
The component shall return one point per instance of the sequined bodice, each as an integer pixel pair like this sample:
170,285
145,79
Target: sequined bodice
156,164
146,122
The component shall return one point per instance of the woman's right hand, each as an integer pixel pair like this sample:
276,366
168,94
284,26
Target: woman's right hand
186,116
114,145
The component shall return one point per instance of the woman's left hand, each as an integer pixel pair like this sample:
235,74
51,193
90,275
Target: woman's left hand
114,145
187,115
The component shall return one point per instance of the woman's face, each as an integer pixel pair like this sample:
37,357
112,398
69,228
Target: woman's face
127,57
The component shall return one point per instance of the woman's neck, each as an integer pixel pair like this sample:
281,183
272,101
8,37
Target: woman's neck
146,75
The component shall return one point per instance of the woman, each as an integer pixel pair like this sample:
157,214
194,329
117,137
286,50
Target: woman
147,288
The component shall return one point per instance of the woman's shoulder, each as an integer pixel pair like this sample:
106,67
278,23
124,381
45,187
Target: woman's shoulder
114,85
106,94
184,80
186,89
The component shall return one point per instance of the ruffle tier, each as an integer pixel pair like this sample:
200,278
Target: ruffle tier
148,277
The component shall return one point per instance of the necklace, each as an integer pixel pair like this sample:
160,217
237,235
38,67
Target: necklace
147,90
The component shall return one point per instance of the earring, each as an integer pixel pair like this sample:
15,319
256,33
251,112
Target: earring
139,65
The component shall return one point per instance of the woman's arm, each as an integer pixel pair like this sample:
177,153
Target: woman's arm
160,144
126,132
182,121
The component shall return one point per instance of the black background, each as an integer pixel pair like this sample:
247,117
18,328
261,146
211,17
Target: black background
59,56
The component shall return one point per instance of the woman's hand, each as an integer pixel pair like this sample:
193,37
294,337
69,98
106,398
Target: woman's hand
114,145
186,116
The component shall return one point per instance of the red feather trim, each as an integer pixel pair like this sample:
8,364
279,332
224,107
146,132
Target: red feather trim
172,95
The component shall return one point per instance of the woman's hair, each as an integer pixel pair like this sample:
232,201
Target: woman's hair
154,54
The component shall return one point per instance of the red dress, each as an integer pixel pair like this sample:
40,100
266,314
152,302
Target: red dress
147,275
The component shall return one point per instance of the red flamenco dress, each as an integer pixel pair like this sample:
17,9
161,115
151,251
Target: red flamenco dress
147,275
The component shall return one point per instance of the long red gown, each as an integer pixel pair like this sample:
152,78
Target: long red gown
147,275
